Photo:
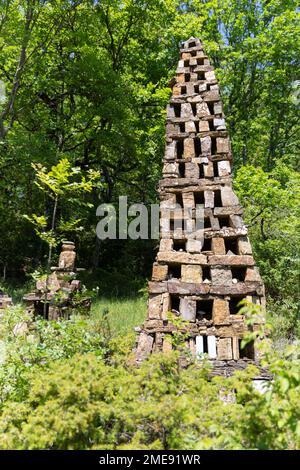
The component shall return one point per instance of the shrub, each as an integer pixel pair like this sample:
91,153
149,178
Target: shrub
28,343
83,403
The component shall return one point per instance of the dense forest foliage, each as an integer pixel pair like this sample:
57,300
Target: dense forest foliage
87,83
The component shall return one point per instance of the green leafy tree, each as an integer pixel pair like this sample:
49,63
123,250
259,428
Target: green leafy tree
61,182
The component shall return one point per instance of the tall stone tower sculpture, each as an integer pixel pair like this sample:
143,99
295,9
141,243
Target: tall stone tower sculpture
202,281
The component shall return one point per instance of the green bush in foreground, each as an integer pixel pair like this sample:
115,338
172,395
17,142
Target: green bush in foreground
85,403
26,344
73,385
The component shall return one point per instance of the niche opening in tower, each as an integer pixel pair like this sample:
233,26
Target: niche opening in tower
211,126
197,145
196,88
201,168
204,308
199,198
192,44
200,61
201,75
181,168
179,148
207,223
178,245
194,108
187,77
186,63
182,127
174,271
211,107
218,200
224,221
193,53
239,273
206,275
171,222
234,304
216,170
247,352
201,345
231,246
206,244
183,90
39,309
177,109
175,303
213,145
179,200
205,345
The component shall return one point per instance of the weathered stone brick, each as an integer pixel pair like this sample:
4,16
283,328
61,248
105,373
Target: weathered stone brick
191,170
166,305
224,349
210,76
252,275
221,275
170,111
186,110
168,201
180,78
218,246
191,273
190,126
159,272
235,348
170,169
155,306
165,244
222,145
209,199
203,126
170,151
144,346
208,170
202,110
189,148
188,200
224,168
236,221
244,246
176,90
218,108
193,246
228,197
205,145
231,260
181,257
188,309
219,124
220,311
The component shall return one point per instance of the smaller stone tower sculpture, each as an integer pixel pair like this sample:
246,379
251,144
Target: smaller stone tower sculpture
5,300
58,289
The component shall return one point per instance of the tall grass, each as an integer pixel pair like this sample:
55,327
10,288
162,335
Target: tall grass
122,314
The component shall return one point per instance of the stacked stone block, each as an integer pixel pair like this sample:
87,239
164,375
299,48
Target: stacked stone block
202,281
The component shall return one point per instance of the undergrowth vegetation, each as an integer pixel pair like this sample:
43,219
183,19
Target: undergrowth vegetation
74,385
